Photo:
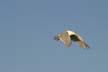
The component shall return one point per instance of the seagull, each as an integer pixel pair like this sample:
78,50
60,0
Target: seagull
67,37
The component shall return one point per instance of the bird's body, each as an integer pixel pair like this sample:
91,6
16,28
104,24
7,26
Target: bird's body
68,36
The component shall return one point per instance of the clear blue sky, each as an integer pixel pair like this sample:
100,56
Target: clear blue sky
27,28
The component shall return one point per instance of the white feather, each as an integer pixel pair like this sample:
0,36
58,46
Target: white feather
71,32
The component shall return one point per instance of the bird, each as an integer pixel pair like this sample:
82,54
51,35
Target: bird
68,36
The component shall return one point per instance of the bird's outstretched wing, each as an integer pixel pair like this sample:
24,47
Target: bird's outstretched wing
65,38
81,42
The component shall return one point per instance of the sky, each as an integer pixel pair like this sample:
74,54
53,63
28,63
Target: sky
27,28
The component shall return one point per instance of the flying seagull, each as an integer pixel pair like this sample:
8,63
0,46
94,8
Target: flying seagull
68,36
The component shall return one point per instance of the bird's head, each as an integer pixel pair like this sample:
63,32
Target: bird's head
56,38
